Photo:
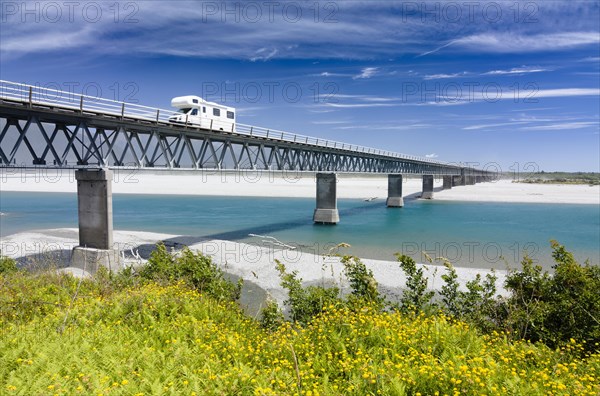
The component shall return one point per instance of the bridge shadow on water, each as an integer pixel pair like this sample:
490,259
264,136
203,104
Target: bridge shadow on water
61,257
179,242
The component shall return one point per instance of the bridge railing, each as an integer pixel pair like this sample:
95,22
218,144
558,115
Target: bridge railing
36,95
296,138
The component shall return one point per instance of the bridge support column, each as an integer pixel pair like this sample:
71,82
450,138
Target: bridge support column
463,177
326,211
471,180
94,201
447,182
456,181
427,187
394,199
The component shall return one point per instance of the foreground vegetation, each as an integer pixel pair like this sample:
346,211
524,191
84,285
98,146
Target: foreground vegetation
589,178
174,328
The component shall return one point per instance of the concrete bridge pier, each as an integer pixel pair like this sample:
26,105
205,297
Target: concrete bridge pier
447,182
456,181
94,201
326,211
471,180
427,187
463,177
394,199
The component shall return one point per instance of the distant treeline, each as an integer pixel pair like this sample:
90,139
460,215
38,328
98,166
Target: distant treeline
590,178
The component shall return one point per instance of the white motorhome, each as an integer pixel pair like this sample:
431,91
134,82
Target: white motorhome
196,111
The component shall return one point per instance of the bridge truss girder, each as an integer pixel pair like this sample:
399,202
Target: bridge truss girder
43,137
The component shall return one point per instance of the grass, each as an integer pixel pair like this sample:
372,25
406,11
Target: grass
115,336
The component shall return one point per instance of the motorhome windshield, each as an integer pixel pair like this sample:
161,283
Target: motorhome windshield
183,111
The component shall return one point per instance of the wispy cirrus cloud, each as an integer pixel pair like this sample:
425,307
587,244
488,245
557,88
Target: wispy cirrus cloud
359,105
264,54
375,29
528,95
510,42
516,70
367,98
519,43
563,126
384,127
332,74
444,76
566,92
332,122
357,101
500,72
548,123
367,72
489,126
44,41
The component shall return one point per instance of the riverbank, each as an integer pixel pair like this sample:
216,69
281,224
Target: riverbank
253,262
293,184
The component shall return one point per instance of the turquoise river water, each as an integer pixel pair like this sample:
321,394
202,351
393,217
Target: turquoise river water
481,235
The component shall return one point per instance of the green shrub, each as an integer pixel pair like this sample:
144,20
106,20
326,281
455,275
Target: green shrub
271,317
415,296
477,305
526,307
362,281
196,269
305,303
7,265
555,308
450,294
574,300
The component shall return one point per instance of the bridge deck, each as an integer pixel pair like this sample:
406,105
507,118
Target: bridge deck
73,129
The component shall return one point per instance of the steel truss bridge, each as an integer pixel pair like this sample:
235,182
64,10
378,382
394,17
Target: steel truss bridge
50,128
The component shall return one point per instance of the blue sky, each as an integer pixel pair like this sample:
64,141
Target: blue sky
515,83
